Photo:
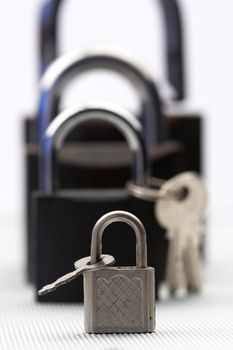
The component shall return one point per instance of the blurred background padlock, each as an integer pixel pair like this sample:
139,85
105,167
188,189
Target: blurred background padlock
49,49
108,163
63,219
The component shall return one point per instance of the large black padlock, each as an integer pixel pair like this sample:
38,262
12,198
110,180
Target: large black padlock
64,218
169,157
48,50
110,166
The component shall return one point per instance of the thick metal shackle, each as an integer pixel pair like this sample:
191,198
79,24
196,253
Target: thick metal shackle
175,46
131,220
68,120
74,63
173,32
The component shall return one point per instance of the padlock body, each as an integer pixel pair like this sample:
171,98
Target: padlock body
189,130
167,163
119,300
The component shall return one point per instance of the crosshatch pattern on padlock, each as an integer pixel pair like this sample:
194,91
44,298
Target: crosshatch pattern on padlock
121,301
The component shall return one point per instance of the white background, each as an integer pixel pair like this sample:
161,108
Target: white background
134,25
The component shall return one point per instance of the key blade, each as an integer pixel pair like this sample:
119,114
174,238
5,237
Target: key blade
193,266
175,276
46,289
81,266
60,282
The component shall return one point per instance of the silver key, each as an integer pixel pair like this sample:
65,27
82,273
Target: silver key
175,274
81,266
180,215
192,260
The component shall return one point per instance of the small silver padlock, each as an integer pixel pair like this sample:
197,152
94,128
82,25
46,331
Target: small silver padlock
119,299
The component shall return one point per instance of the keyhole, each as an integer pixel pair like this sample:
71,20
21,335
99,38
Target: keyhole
182,193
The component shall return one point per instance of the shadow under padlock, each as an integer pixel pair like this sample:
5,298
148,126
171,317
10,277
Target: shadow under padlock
105,164
64,218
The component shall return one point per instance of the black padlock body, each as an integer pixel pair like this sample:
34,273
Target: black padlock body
189,130
165,165
30,159
63,235
29,130
186,129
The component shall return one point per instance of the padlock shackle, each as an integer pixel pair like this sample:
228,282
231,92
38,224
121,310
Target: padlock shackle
129,219
174,47
74,117
74,64
173,31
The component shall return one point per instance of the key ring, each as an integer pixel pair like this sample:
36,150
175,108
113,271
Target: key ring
151,193
147,193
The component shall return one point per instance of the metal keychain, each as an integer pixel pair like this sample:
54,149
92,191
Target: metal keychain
180,206
182,217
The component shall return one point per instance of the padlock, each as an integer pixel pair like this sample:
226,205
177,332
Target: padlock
119,299
109,167
64,219
48,38
169,157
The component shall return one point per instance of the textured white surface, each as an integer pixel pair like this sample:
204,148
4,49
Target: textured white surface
200,322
